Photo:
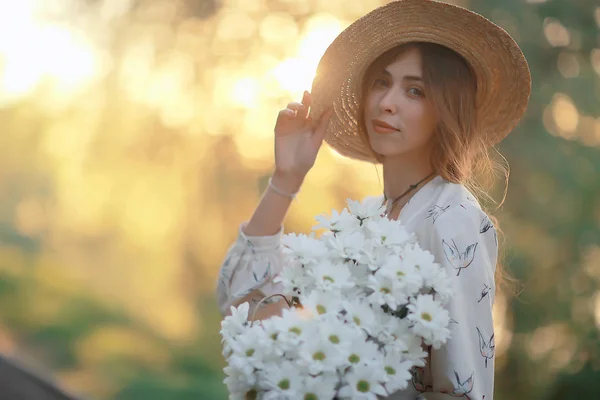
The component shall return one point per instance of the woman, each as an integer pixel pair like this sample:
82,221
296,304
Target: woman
426,89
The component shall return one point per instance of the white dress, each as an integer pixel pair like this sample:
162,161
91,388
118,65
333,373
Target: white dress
447,221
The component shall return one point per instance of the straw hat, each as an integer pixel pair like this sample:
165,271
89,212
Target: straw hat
502,73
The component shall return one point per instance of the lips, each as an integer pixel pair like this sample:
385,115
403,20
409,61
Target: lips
383,127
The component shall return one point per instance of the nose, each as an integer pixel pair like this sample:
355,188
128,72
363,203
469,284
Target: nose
387,104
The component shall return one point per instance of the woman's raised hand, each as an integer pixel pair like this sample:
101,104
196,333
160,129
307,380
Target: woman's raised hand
297,142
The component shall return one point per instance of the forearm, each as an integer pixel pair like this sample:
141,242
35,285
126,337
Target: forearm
273,207
265,311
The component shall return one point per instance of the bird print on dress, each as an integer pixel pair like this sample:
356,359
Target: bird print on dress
487,349
484,292
463,388
435,211
459,259
486,225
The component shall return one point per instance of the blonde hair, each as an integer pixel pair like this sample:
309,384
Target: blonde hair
461,154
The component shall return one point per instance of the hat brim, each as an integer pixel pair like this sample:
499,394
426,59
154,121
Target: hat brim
501,70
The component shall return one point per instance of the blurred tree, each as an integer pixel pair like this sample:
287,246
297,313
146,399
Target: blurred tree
551,213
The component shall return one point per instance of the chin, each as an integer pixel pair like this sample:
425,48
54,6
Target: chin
387,153
387,148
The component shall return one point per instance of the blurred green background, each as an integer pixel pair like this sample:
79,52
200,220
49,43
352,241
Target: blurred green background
137,134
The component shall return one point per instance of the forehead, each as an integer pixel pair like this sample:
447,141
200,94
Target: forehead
408,62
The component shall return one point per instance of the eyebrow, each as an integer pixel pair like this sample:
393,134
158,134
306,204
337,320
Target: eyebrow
405,77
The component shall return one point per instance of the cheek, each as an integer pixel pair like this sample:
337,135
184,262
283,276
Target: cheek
368,105
423,119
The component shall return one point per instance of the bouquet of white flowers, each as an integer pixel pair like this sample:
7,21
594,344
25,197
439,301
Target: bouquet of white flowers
365,297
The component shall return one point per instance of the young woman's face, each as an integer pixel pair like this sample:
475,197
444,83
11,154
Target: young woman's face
399,119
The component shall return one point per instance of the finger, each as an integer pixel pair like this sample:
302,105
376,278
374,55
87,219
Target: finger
307,99
300,107
285,114
296,106
322,125
303,112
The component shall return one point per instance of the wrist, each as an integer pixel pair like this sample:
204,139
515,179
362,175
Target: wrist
288,183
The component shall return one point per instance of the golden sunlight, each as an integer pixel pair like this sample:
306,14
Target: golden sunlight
245,92
295,74
32,49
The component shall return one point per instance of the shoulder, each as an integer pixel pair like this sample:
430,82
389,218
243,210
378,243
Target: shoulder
453,203
462,235
454,212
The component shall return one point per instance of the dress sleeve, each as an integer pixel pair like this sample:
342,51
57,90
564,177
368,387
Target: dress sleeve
250,266
463,240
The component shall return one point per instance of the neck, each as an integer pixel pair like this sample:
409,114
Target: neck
400,173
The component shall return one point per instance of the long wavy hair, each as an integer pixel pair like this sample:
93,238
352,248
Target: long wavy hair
461,154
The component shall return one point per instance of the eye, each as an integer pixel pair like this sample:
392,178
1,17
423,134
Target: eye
416,92
380,82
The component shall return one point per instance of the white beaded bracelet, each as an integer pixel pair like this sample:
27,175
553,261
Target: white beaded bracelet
280,192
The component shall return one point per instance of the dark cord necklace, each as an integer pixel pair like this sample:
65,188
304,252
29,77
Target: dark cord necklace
410,189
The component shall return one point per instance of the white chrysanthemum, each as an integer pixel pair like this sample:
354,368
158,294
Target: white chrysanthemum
442,286
319,302
430,320
405,276
397,371
320,356
330,276
363,352
252,347
303,248
282,379
381,291
361,315
294,327
436,278
388,329
386,291
416,256
320,387
338,334
364,383
240,376
388,233
234,324
377,256
271,327
403,340
337,222
360,276
370,207
295,280
347,245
